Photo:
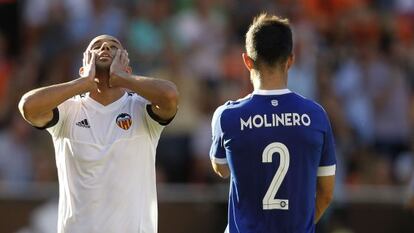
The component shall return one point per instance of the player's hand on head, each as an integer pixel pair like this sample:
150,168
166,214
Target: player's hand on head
124,60
119,67
88,70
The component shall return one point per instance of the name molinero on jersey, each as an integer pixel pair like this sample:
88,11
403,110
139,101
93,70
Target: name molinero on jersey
276,143
275,120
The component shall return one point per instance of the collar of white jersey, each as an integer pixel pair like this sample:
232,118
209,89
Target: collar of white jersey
105,108
272,92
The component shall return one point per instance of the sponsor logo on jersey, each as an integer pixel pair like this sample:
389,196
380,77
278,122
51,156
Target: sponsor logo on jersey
124,121
83,123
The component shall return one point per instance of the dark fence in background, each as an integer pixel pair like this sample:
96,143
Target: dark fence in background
203,209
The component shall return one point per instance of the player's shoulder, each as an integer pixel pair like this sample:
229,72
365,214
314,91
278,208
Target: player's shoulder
229,105
133,96
232,104
311,105
239,101
76,99
313,108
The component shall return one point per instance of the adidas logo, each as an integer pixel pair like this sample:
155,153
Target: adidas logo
83,123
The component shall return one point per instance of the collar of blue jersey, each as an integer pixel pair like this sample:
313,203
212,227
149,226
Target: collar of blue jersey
271,92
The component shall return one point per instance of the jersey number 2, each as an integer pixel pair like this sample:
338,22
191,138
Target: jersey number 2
269,200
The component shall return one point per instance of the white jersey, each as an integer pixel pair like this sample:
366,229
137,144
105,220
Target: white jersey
105,157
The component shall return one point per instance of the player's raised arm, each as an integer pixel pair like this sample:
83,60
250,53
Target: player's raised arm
162,94
324,194
36,106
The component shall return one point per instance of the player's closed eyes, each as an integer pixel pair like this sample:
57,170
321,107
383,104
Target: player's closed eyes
96,47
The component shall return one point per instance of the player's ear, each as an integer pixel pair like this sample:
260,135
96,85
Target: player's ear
290,61
248,61
81,71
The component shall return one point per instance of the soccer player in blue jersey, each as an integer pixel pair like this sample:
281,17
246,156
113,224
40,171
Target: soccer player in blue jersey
276,146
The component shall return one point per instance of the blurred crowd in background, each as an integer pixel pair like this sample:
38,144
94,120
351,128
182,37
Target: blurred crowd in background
355,57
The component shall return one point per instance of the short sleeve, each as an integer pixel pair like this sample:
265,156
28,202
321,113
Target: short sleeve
59,116
327,164
217,151
53,121
154,127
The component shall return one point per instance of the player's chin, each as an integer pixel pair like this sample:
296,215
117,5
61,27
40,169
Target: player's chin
104,64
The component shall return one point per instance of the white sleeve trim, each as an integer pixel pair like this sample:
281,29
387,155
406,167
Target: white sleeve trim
327,170
219,160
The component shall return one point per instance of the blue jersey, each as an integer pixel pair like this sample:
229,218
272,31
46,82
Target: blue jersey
275,143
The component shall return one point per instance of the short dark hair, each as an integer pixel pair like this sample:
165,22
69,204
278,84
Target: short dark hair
269,40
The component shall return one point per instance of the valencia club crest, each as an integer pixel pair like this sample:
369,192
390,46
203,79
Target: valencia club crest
124,121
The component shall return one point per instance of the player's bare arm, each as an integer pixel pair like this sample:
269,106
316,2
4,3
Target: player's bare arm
162,94
324,195
36,106
221,169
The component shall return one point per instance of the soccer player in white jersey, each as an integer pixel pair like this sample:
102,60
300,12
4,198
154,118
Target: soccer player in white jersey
276,145
105,140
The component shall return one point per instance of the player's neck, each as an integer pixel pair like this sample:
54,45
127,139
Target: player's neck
106,95
266,80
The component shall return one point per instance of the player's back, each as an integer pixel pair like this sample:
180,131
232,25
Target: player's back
274,143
